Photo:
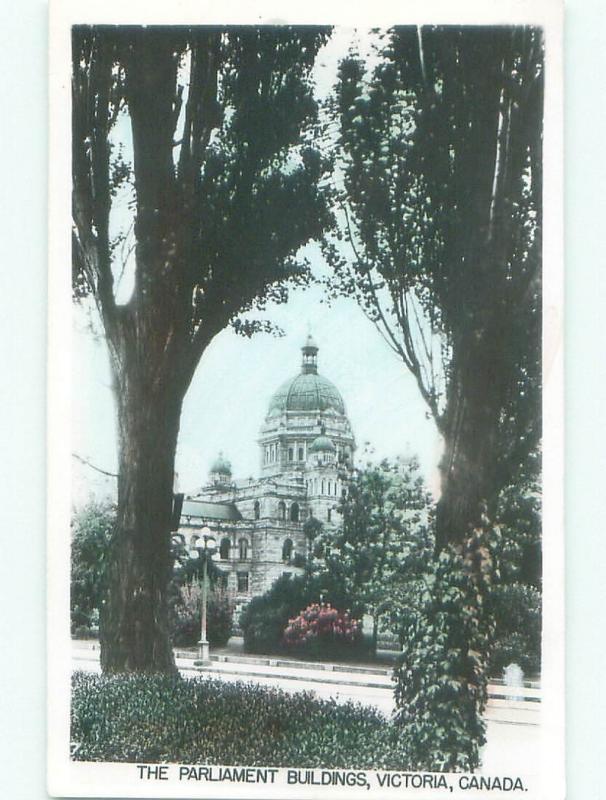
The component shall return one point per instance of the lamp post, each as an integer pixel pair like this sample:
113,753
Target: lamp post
206,550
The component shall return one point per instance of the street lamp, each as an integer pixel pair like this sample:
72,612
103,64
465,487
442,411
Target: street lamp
205,550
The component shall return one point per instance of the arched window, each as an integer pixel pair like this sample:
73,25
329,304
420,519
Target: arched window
243,549
281,510
224,548
329,487
322,486
287,550
328,514
257,509
294,512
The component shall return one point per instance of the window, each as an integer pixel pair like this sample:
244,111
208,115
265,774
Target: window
281,510
287,550
243,582
243,549
322,486
328,514
224,549
329,487
294,512
300,454
291,454
257,509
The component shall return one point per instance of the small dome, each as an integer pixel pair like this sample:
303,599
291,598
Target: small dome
322,444
221,465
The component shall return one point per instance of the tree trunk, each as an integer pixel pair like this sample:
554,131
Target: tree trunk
134,632
469,468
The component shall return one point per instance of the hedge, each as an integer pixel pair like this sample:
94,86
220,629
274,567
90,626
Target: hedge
157,718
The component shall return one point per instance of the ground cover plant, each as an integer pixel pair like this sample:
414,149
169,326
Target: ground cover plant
159,718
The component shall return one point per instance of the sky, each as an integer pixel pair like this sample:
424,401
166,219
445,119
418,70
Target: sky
229,395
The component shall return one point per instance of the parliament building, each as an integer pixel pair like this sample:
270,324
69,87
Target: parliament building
306,448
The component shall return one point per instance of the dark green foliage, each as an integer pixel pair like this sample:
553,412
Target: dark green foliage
265,618
519,516
92,529
154,718
441,679
517,614
382,538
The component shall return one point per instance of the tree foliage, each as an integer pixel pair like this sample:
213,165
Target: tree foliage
440,237
441,678
383,537
92,529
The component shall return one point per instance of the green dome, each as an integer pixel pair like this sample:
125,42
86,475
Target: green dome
306,392
221,465
322,444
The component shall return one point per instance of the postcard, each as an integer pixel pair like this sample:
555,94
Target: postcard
305,401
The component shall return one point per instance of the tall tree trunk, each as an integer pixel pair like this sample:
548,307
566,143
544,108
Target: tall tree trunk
134,632
469,466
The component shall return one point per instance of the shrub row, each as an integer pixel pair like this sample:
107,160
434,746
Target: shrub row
156,718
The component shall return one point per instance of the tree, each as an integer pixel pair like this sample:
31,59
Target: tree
92,528
441,165
223,196
383,538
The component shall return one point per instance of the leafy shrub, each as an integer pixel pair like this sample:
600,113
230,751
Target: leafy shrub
322,630
517,612
92,528
186,616
158,718
265,618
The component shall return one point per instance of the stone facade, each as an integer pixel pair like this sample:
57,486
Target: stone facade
306,449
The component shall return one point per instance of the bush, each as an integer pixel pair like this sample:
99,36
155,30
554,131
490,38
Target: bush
157,718
186,616
91,532
265,618
517,613
320,630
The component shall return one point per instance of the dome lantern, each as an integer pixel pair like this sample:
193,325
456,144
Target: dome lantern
309,364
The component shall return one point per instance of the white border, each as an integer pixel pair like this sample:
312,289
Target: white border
67,778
